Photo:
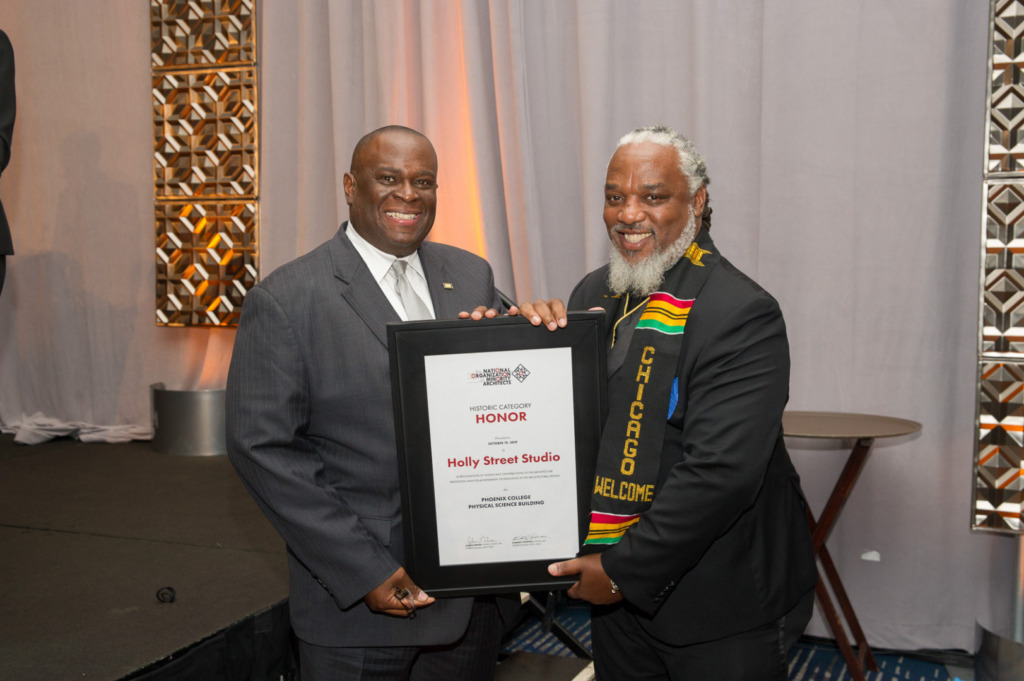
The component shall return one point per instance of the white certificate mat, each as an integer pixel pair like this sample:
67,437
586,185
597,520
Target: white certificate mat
503,454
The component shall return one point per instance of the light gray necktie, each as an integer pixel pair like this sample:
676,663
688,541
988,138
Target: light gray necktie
413,304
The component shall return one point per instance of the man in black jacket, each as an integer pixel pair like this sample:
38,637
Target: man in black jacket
7,107
699,558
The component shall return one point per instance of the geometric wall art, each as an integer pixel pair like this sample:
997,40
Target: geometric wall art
998,460
205,159
1005,148
1002,302
998,482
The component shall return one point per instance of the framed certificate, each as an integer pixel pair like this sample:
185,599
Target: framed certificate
497,423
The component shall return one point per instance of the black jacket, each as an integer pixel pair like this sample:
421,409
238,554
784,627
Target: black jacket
725,545
7,107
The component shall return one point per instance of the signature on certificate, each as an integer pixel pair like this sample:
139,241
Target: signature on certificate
481,542
529,539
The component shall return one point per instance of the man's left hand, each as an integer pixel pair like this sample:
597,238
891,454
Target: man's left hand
550,314
397,596
482,312
594,585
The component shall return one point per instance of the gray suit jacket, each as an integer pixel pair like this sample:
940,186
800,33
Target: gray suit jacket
310,429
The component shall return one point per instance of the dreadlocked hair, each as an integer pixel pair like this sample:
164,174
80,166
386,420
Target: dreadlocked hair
706,215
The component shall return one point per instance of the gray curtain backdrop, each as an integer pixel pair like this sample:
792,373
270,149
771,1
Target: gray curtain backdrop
844,142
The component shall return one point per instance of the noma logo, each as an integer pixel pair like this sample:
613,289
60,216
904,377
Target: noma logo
499,375
496,376
521,373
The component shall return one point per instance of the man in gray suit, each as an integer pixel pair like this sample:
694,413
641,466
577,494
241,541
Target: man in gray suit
310,426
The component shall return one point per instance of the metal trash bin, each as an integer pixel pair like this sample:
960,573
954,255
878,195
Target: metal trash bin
187,422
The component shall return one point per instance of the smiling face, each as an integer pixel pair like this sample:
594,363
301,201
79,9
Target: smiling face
392,190
647,202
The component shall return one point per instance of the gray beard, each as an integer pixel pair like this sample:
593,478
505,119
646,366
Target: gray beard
644,277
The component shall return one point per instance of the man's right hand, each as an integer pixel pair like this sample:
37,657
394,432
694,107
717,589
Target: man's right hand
550,313
397,596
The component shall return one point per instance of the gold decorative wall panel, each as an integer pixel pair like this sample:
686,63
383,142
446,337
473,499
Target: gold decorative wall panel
205,159
203,33
206,261
999,454
204,126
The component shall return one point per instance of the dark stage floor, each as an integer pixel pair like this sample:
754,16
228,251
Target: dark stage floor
89,533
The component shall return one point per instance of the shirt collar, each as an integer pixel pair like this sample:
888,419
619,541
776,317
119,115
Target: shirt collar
379,262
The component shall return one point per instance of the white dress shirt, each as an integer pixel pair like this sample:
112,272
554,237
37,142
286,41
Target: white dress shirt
379,264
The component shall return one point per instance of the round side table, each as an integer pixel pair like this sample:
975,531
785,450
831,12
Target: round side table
863,429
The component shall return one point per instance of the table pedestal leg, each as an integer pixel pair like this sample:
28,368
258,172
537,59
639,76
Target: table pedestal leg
844,485
864,658
852,663
546,613
819,533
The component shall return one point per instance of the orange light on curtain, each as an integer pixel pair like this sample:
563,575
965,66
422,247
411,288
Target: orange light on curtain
468,231
460,220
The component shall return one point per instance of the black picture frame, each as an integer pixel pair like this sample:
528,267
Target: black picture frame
408,344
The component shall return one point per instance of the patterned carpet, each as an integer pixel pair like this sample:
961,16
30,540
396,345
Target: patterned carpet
809,660
812,662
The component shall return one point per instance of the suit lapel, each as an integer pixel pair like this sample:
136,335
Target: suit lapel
443,294
359,288
610,303
617,355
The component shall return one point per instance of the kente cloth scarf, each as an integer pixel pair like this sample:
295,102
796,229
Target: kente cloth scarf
641,397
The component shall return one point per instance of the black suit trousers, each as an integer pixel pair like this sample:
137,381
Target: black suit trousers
623,651
473,657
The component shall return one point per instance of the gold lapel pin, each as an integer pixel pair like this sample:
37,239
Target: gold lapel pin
448,286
